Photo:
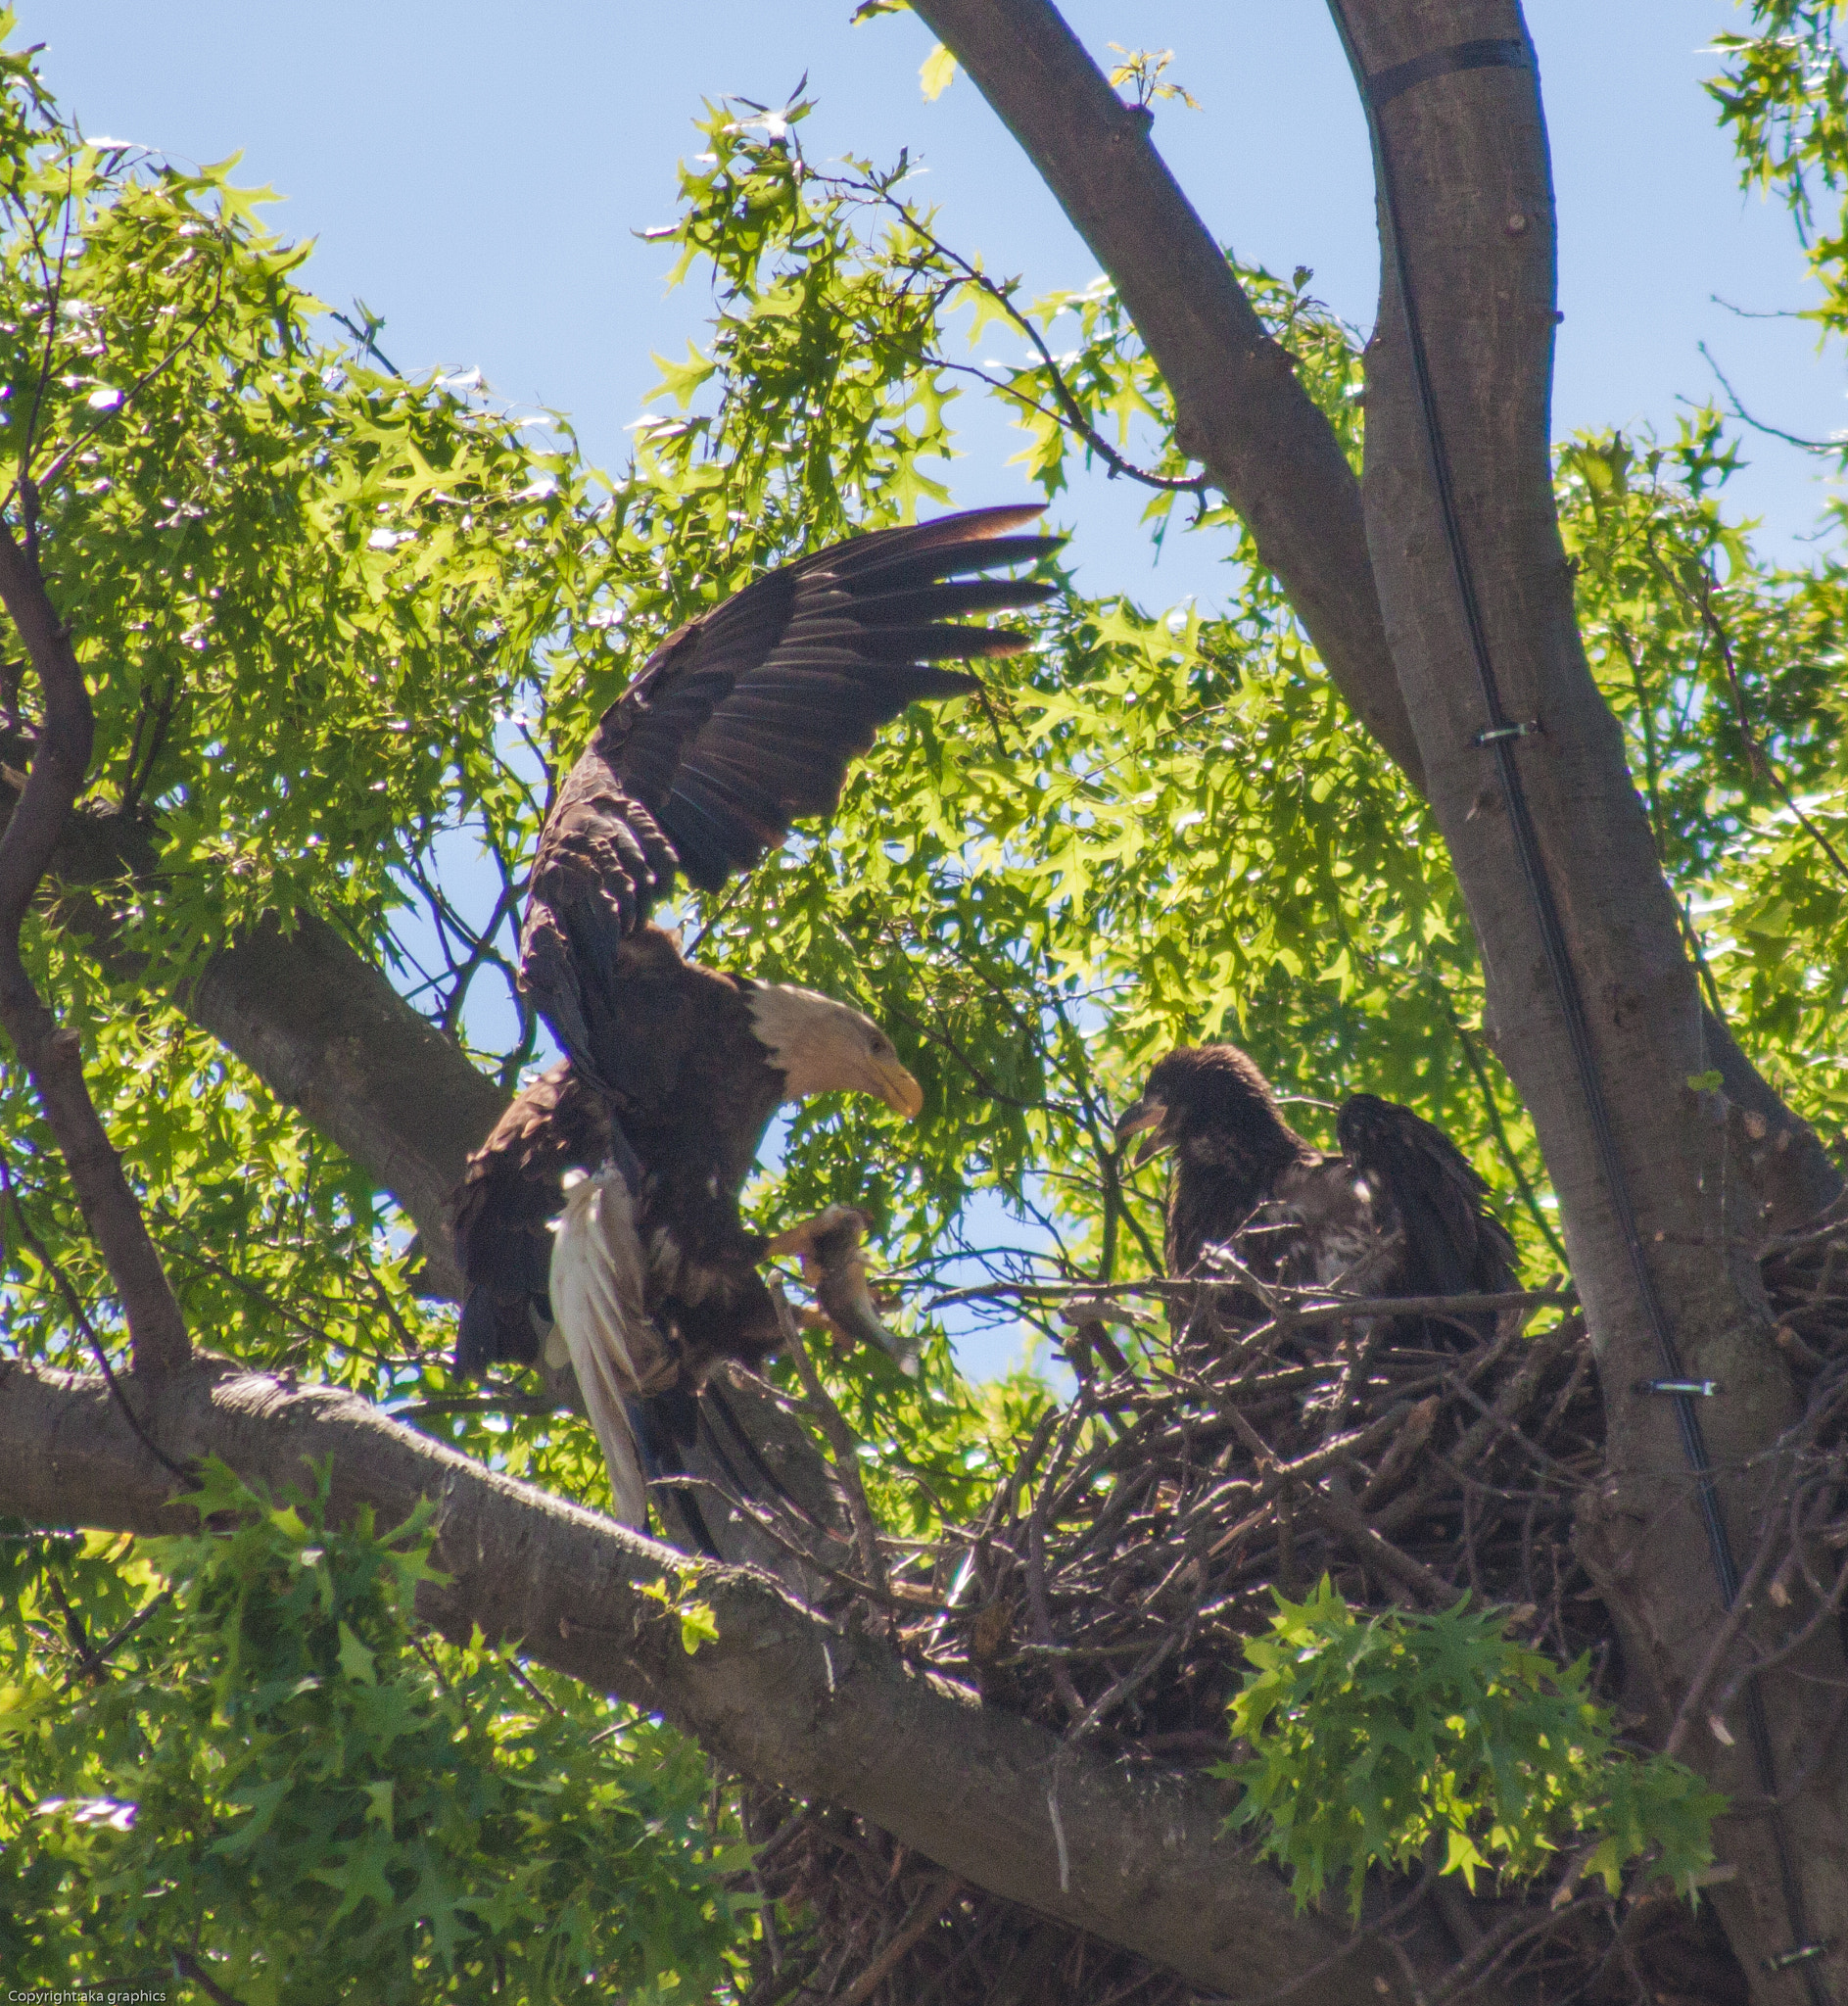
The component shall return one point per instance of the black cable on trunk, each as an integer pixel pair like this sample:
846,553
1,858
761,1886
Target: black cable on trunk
1499,736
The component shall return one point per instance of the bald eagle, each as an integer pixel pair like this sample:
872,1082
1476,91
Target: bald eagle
1397,1211
743,720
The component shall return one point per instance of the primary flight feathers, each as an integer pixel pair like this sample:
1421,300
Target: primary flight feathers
743,720
747,718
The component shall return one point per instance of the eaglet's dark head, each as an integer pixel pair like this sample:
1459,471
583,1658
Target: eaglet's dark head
1202,1091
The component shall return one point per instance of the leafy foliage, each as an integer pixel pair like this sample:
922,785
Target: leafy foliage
1727,677
1784,95
341,625
234,1751
1385,1740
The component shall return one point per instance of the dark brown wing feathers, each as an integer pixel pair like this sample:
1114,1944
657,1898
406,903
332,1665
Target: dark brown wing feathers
747,719
1453,1243
502,1211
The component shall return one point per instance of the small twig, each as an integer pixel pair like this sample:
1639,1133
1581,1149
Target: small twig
1724,1639
189,1967
931,1906
88,1661
520,1673
1343,1519
82,1318
840,1440
114,1642
1507,1936
1829,449
1070,412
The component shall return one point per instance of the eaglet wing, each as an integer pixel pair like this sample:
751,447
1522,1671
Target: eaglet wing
1453,1243
749,717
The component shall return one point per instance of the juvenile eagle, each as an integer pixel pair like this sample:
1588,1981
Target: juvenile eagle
743,720
1397,1211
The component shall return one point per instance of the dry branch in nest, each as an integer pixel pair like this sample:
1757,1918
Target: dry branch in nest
1108,1589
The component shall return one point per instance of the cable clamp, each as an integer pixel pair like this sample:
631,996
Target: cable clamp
1497,733
1689,1389
1800,1955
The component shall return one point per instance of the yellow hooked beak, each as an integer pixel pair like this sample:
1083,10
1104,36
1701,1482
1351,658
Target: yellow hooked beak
897,1088
1145,1115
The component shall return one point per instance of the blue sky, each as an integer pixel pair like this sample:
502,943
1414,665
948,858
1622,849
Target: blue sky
477,175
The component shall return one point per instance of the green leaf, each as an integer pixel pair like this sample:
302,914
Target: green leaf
937,72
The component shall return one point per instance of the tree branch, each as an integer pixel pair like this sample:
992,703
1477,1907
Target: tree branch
1241,411
313,1019
782,1695
1239,407
52,1056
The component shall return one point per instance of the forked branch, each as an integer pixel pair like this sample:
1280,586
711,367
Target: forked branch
50,1053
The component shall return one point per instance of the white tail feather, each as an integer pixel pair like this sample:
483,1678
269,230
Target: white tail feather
617,1354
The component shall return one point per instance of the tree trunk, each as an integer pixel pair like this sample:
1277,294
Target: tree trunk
1708,1173
1462,149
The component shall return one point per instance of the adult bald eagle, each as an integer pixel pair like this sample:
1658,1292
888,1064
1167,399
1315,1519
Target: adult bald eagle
1397,1211
743,720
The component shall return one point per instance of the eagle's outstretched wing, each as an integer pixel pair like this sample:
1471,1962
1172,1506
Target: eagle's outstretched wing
1453,1244
747,718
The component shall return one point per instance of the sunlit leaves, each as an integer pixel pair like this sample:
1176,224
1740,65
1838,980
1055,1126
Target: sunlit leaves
1784,95
1726,676
243,1728
1378,1741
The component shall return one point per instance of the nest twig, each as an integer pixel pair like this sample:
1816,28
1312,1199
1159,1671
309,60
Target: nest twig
1109,1586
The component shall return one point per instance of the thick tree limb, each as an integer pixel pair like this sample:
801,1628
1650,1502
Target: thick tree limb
1463,155
328,1033
1238,406
313,1019
1241,411
52,1057
782,1695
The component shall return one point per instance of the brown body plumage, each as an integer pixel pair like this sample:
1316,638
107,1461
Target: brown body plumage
741,722
1396,1211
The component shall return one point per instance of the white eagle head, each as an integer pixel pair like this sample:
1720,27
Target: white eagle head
820,1046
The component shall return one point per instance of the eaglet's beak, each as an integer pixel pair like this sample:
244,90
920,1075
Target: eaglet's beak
896,1087
1145,1115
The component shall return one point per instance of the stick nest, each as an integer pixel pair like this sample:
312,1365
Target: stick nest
1107,1590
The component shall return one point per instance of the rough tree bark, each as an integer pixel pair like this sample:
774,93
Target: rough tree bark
1709,1173
782,1695
1469,167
